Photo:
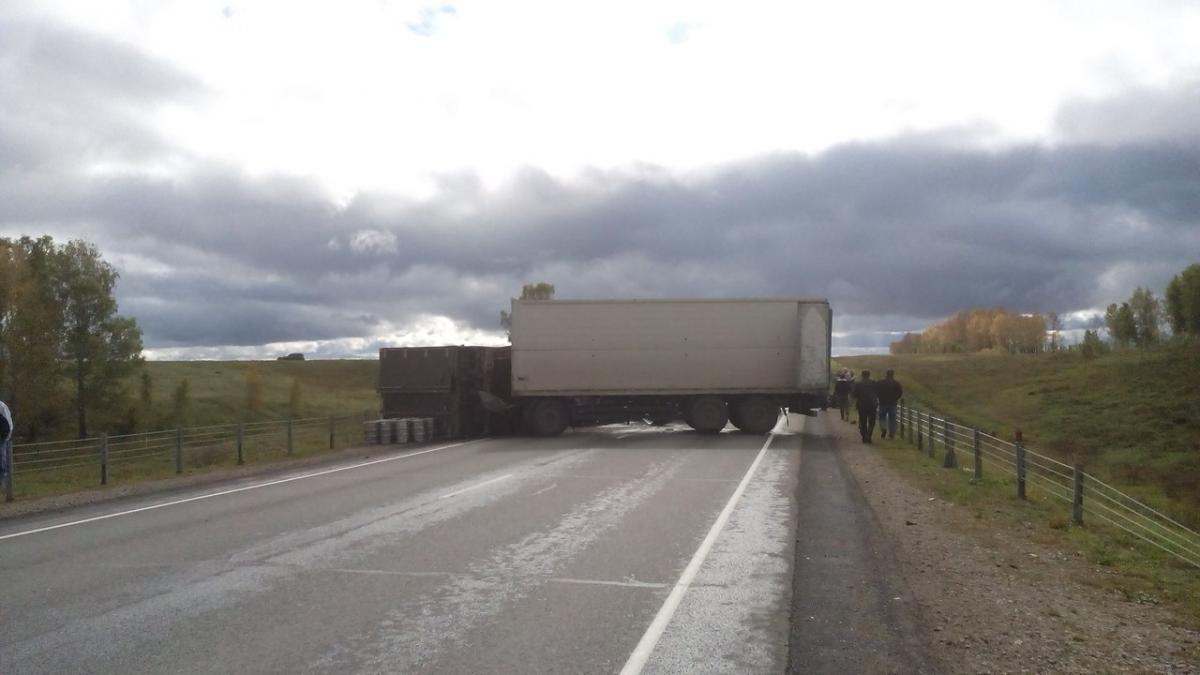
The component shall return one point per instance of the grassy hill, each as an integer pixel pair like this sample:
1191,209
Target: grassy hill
217,389
1133,417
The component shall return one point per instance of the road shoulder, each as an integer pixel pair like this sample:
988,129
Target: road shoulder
998,601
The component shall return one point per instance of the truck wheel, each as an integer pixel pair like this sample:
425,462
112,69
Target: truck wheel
548,418
708,414
756,415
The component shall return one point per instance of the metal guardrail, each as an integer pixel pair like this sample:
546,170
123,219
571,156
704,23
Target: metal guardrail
1086,493
181,444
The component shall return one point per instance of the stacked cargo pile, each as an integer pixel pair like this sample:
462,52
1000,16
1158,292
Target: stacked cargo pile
398,431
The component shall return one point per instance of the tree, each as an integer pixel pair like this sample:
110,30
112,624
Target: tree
30,334
1183,301
1121,324
99,348
1147,315
535,291
1055,323
1092,346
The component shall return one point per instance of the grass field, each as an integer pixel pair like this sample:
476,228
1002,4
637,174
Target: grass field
218,389
218,401
1132,418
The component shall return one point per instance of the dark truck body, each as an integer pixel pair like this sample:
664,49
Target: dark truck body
444,383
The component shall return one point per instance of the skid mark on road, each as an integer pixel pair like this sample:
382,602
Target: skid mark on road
402,641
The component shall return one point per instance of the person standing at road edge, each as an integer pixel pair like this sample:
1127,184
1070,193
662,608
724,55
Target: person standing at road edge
867,401
841,393
889,392
6,431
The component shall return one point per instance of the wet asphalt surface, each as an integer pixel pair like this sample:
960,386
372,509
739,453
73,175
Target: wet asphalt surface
500,556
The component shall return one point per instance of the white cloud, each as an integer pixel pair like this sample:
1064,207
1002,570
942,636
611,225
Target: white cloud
373,241
348,93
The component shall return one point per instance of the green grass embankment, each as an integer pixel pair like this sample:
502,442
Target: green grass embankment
217,389
1132,418
217,395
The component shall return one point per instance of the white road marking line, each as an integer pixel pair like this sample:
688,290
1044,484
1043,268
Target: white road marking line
477,485
602,582
545,489
390,573
641,653
229,492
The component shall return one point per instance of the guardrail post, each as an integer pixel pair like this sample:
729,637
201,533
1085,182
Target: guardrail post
1077,503
977,449
1020,444
332,428
920,434
951,461
930,434
179,450
241,442
900,414
103,458
289,430
8,469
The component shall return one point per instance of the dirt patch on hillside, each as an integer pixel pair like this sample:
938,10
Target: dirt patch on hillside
998,602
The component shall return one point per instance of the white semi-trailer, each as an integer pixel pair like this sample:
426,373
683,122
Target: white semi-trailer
708,362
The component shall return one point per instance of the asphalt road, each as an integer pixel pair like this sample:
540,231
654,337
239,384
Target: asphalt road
653,550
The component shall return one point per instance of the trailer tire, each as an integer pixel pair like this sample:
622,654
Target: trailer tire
548,418
708,414
756,415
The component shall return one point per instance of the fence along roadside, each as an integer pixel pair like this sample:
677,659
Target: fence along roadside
100,453
1085,493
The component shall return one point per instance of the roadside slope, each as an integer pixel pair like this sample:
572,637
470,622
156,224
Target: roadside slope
995,599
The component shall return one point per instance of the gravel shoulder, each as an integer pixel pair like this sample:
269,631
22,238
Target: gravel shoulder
995,601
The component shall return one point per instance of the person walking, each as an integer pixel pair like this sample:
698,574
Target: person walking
841,393
889,392
866,399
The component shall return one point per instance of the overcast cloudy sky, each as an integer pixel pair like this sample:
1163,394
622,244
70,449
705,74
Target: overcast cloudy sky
332,177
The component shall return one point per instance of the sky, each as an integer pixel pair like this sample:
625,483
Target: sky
332,178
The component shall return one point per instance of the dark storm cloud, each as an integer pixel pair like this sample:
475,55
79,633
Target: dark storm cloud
896,233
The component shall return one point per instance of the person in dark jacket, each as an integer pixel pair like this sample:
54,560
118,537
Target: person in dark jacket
841,393
889,392
867,401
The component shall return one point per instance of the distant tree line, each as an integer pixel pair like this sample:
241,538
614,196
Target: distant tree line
65,352
1144,320
1141,321
979,330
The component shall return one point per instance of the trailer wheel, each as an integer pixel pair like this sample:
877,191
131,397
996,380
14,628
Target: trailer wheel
548,418
756,415
708,414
